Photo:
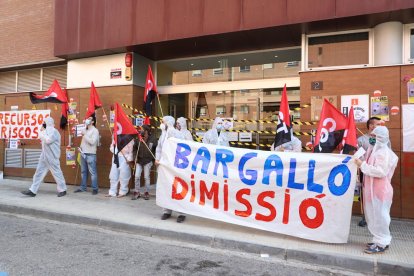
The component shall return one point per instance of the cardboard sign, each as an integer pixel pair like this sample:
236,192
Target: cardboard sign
21,124
79,129
299,194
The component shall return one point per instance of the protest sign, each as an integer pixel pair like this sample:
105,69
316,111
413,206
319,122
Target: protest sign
21,124
306,195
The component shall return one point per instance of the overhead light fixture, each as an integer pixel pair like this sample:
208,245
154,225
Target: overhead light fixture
275,56
245,59
219,61
191,64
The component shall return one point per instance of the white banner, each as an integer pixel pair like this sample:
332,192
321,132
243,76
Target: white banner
307,195
21,124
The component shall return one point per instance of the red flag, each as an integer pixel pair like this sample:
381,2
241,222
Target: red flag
350,142
330,129
283,123
65,109
53,95
149,94
124,131
94,103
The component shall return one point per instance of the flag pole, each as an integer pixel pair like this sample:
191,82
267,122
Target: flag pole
360,131
159,103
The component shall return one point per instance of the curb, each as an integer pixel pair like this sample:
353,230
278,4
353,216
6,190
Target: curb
365,265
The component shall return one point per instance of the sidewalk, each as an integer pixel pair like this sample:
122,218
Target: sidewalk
143,217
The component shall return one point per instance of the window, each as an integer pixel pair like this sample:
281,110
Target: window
244,68
220,110
408,55
196,73
203,111
268,66
218,71
244,109
335,50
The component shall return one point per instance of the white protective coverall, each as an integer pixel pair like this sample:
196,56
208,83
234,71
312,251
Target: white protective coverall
49,158
295,145
184,130
215,136
378,170
122,174
169,132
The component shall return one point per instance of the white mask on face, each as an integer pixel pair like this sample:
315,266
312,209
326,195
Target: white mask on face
162,126
87,122
219,127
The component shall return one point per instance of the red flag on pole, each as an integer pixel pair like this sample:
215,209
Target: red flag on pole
283,123
54,94
330,129
94,103
350,142
124,131
149,94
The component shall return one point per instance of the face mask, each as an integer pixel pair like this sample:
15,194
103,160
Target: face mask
162,126
88,122
219,127
44,125
372,141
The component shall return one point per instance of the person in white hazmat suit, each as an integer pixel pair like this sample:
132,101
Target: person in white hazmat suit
216,135
378,170
120,174
49,159
167,131
295,145
182,127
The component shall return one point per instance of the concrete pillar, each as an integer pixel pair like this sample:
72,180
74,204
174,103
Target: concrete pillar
388,43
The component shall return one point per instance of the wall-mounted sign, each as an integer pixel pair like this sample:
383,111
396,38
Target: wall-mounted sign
317,85
116,73
360,104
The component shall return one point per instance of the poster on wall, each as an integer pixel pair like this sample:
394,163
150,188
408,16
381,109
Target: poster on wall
408,127
70,156
72,111
360,104
410,91
379,108
14,144
316,105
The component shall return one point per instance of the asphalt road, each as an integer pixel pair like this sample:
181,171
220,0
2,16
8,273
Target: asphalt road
30,246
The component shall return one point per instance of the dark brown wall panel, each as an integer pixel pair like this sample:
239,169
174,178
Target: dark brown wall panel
92,18
307,11
67,26
117,24
84,26
184,19
263,13
357,7
149,22
407,184
221,16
